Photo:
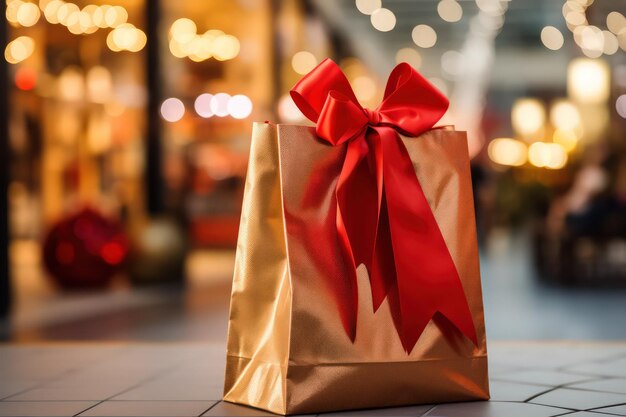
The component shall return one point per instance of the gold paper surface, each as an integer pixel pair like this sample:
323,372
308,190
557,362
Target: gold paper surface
287,350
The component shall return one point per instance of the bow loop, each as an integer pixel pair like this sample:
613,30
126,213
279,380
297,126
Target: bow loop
340,119
383,219
411,103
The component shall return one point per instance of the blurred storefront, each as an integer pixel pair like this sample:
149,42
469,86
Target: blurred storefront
129,123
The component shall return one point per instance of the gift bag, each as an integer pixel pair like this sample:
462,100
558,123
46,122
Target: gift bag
357,280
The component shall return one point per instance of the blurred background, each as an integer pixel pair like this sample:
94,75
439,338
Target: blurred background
126,127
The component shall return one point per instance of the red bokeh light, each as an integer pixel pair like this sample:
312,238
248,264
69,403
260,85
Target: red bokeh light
25,78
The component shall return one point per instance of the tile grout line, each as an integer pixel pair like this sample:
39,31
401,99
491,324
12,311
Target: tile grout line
148,379
606,406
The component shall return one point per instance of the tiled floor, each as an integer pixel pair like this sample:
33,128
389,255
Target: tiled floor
175,380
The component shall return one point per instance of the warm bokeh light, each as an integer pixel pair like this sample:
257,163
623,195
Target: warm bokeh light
19,49
507,151
185,42
183,30
547,155
115,16
552,38
11,10
450,10
172,109
568,139
410,56
51,9
71,84
564,115
99,84
528,116
364,88
202,105
383,19
28,14
424,36
219,104
126,37
239,106
588,80
611,44
303,62
368,6
615,22
225,47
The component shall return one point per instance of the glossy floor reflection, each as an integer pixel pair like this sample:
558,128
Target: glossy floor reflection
185,379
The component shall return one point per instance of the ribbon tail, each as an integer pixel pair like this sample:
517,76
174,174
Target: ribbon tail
382,270
427,279
356,215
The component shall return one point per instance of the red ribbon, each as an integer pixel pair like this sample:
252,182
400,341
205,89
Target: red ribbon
383,218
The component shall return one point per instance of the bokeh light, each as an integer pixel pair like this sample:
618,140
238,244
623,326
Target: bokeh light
547,155
172,109
564,115
202,105
620,105
450,10
568,139
588,80
239,106
528,116
303,62
368,6
507,151
19,49
383,20
219,104
552,38
424,36
410,56
28,14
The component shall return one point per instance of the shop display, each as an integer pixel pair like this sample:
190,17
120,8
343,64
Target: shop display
85,250
356,280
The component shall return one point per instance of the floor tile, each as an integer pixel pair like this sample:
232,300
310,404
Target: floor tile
412,411
10,387
181,391
579,399
512,391
43,408
225,409
616,385
586,414
549,378
148,408
615,368
89,391
619,410
493,409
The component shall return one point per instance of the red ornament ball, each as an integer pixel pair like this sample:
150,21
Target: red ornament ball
85,250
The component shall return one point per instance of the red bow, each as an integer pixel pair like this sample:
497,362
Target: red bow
383,218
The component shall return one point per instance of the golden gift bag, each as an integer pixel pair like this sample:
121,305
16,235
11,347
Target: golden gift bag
287,349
